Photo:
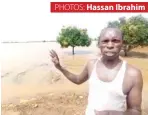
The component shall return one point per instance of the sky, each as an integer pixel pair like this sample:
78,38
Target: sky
31,20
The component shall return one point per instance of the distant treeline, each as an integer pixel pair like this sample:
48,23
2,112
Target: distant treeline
34,41
28,41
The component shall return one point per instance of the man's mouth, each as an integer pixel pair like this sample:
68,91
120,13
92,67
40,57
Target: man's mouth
110,53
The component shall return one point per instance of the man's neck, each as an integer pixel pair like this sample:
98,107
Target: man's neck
110,63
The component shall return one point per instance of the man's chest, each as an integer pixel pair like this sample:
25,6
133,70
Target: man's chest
108,76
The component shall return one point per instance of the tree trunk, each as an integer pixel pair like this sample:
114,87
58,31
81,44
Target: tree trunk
73,51
125,49
125,53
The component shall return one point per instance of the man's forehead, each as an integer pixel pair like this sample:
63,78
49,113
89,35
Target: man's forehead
111,33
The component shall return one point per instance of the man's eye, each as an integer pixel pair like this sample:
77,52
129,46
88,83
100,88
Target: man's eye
105,41
115,40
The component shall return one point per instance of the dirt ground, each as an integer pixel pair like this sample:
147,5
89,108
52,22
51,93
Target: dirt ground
65,98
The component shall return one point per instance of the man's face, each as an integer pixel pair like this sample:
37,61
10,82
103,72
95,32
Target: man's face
110,44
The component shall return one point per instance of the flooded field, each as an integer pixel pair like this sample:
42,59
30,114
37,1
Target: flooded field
32,86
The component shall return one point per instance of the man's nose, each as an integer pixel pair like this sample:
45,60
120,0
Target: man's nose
110,45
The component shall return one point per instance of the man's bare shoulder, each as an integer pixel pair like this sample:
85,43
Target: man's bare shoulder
133,70
90,65
134,73
91,62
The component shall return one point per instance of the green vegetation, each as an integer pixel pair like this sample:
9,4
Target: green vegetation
135,31
72,36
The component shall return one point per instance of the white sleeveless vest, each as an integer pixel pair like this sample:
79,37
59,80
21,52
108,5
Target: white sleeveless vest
106,95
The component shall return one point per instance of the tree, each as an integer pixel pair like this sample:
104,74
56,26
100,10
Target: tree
135,30
72,36
114,24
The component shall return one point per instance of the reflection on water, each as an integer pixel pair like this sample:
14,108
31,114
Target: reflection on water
80,52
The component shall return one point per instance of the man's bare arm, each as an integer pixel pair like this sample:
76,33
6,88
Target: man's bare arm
77,79
134,97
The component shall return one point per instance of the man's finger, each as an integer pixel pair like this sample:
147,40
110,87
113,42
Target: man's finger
55,53
51,55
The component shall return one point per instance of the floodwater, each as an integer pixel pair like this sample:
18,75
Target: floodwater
26,70
28,64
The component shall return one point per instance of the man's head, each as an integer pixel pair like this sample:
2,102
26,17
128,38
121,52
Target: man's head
110,42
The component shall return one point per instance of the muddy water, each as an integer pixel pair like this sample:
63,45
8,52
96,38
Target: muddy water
27,69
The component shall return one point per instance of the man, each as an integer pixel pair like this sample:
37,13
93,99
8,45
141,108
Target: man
115,87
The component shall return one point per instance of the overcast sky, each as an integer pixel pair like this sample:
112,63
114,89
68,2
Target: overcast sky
27,20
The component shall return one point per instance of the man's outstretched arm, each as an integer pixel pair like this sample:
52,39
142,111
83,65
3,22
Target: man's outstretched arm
77,79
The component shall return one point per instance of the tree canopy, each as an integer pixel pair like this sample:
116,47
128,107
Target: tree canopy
73,36
135,31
